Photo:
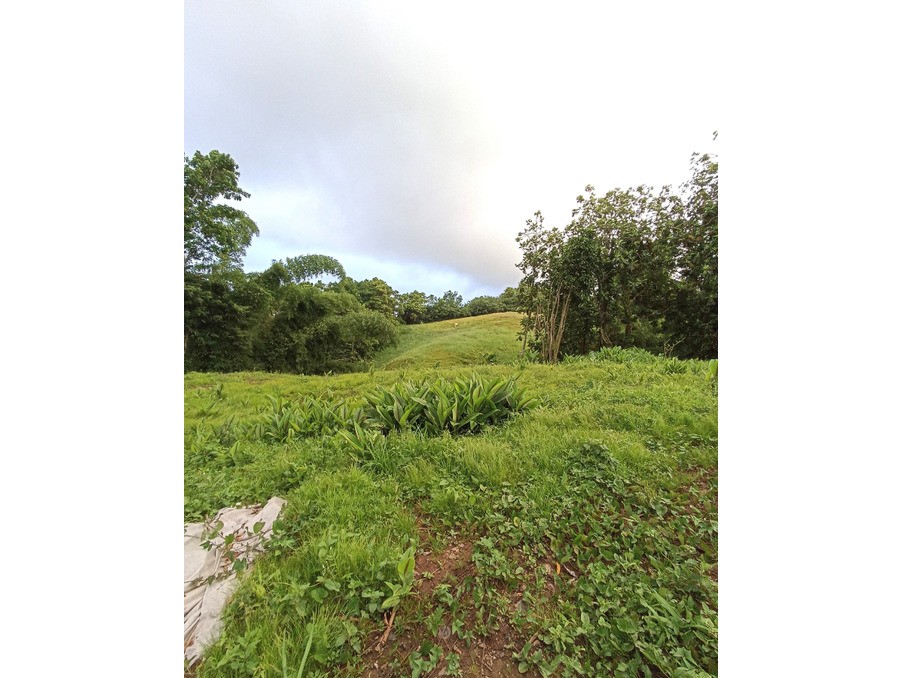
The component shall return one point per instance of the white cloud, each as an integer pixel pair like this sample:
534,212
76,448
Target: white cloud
426,137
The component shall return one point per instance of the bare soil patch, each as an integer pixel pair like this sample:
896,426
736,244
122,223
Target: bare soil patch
489,655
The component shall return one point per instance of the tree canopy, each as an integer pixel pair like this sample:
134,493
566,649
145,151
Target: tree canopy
216,234
634,267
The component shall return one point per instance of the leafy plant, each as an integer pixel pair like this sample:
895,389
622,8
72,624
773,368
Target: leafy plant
424,659
459,406
405,572
237,547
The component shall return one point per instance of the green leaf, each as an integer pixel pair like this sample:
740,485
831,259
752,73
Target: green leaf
406,564
626,625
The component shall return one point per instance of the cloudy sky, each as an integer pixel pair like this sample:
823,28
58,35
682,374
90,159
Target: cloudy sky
411,141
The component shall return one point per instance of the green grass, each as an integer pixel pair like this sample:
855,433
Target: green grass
613,477
465,341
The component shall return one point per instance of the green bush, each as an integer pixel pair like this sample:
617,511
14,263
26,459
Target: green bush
459,406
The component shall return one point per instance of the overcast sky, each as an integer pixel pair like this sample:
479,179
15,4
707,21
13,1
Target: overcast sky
412,141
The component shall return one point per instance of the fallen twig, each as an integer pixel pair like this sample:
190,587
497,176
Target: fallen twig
385,635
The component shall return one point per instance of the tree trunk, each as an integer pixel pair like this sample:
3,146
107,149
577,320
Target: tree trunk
561,325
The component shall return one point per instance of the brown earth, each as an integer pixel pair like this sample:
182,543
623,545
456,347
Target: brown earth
491,655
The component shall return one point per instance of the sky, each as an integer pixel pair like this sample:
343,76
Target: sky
411,141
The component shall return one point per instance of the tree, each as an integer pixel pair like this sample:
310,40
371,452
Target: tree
483,305
692,312
509,299
216,234
377,295
634,267
618,241
412,308
446,307
223,314
309,266
312,330
547,286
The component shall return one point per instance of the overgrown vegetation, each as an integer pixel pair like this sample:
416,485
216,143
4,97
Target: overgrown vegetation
303,314
467,500
585,527
634,267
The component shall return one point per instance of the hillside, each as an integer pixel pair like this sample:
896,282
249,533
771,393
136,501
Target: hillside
465,341
575,537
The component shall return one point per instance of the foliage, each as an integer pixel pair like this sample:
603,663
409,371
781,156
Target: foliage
376,295
405,572
309,266
458,406
632,594
288,420
424,659
611,484
509,299
549,280
315,331
692,313
445,307
634,267
222,312
430,406
216,234
484,305
412,307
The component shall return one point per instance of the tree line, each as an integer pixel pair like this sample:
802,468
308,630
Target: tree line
302,314
634,267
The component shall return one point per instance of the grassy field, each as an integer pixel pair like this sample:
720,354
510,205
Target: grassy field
466,341
578,537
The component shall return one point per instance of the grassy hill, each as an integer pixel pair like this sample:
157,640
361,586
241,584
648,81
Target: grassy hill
578,537
465,341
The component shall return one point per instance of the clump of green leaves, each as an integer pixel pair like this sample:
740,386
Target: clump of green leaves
616,354
424,659
405,571
630,588
287,420
458,406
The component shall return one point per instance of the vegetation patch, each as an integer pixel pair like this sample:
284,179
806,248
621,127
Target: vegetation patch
578,537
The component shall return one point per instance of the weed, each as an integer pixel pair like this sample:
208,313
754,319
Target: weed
596,512
424,659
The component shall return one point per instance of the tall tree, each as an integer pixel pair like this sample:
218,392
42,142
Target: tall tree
618,242
223,313
692,314
634,267
547,286
216,234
